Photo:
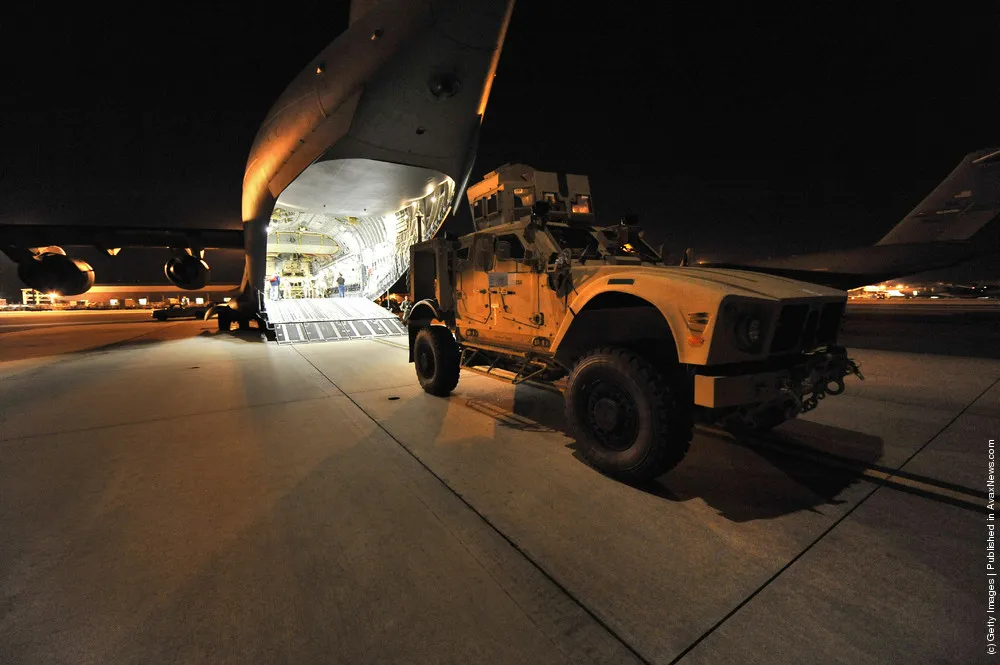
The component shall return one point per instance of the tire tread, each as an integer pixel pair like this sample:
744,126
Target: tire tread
674,421
446,360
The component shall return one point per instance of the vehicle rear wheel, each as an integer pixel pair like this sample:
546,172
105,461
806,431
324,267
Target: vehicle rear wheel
436,358
628,417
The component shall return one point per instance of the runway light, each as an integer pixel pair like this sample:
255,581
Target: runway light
53,295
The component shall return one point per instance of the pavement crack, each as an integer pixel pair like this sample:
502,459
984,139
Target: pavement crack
489,523
718,624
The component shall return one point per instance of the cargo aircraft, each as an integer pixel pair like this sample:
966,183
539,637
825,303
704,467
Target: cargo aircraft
370,148
367,151
947,228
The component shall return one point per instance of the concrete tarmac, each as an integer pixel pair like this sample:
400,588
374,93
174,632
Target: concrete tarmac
171,494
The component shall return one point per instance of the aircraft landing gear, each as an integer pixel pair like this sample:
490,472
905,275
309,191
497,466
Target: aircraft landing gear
225,320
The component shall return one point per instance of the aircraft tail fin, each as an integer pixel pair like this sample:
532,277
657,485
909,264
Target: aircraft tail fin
966,201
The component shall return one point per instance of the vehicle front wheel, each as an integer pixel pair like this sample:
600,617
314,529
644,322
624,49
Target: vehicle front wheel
436,358
629,418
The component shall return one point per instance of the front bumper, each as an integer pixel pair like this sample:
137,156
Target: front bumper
799,386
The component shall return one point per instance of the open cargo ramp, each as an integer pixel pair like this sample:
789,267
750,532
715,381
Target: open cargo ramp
307,320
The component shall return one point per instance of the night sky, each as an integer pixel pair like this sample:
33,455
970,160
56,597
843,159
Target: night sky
759,131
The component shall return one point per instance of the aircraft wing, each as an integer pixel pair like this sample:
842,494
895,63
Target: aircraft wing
43,265
952,224
852,268
108,238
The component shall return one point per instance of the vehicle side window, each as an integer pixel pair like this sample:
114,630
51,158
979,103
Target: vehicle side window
516,247
483,253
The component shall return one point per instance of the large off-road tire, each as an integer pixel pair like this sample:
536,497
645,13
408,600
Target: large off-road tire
631,421
436,357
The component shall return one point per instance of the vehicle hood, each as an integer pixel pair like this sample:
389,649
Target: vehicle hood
722,281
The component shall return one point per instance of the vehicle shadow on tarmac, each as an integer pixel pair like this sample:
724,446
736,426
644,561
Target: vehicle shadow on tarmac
764,477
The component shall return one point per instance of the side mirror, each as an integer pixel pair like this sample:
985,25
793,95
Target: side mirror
502,250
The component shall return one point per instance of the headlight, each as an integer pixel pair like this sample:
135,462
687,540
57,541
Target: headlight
748,332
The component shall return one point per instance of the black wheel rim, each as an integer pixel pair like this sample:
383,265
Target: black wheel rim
425,361
612,415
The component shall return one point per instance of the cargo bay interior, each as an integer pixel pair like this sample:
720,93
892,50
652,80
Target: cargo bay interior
353,218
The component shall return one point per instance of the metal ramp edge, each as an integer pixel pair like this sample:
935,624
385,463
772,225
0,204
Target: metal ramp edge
336,331
306,320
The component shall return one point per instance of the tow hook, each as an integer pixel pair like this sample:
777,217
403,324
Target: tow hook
852,368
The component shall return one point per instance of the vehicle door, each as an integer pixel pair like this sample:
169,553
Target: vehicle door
474,260
514,285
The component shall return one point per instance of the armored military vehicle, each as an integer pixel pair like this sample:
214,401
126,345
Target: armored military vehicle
541,292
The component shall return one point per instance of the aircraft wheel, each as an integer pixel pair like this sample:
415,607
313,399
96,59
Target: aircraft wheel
436,358
629,420
224,321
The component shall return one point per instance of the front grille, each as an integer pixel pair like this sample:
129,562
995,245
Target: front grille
807,327
829,322
809,333
789,328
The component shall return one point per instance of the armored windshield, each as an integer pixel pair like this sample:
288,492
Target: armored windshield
576,239
625,241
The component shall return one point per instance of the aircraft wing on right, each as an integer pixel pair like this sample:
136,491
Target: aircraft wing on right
938,233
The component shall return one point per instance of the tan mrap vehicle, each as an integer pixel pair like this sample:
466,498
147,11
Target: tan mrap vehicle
645,349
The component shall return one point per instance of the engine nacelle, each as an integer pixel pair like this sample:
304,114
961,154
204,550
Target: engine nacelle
188,272
51,271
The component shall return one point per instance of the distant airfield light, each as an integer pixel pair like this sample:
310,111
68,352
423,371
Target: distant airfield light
53,295
226,299
320,68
